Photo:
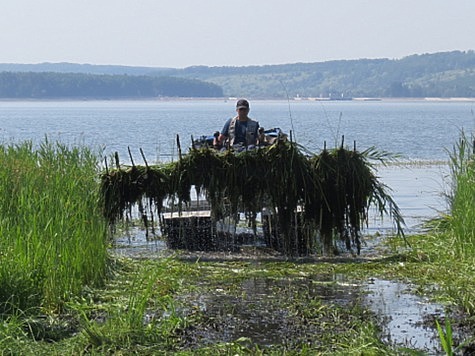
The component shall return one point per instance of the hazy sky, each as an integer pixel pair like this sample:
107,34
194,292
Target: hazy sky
180,33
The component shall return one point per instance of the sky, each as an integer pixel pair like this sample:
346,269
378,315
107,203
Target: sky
182,33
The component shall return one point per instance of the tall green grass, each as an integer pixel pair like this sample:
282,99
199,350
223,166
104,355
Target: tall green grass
462,199
52,234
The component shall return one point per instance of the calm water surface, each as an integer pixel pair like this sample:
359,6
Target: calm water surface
419,131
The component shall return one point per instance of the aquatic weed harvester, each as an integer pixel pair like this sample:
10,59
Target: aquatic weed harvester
305,203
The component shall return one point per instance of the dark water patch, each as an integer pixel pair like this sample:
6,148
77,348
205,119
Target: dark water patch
293,312
269,312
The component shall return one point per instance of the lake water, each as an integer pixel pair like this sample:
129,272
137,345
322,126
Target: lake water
421,132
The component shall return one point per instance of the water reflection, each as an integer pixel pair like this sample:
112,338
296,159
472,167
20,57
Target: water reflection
407,320
135,242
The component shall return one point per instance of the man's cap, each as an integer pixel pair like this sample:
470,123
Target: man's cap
242,103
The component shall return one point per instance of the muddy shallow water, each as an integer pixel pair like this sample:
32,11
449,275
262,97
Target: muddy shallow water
264,311
258,312
407,319
258,309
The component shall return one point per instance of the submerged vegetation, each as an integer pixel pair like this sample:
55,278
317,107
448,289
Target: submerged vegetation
63,292
313,198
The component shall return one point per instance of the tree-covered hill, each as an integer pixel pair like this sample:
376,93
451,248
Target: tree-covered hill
448,74
46,85
444,74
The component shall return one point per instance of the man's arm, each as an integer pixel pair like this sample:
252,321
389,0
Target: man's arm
221,139
224,132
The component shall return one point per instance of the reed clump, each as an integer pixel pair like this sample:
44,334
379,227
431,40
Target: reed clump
461,223
53,236
314,199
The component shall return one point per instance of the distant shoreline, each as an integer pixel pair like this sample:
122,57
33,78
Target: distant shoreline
226,99
435,99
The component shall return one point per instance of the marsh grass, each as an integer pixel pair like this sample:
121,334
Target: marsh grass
54,243
446,337
449,247
462,199
136,310
53,238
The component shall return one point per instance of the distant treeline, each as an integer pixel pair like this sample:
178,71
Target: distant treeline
44,85
444,74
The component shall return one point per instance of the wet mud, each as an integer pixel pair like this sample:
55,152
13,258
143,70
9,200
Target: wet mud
288,312
268,312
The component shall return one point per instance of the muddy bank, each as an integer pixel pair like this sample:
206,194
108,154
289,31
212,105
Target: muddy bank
285,312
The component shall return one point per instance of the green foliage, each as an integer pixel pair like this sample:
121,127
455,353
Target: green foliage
448,74
138,310
73,85
445,74
462,199
446,337
332,190
121,187
53,237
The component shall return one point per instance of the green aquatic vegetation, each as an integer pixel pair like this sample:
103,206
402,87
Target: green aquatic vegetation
314,199
53,237
444,256
303,322
124,320
120,187
462,198
155,306
134,312
446,337
162,306
137,309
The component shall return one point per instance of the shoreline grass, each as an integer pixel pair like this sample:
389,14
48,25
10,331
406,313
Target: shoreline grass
53,239
58,297
462,200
